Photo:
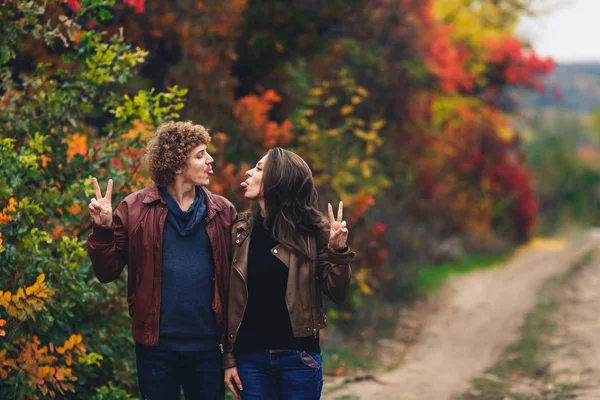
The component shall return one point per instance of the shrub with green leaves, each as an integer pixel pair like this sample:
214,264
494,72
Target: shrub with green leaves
61,123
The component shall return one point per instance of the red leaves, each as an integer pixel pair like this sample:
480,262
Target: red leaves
446,60
513,179
518,65
253,113
138,5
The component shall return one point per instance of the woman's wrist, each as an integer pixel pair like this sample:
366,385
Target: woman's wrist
338,250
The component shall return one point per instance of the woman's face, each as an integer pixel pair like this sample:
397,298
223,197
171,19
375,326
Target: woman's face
253,185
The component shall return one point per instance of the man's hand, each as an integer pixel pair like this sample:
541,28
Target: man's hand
233,382
101,207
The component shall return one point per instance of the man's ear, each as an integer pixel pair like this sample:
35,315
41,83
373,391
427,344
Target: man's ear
178,172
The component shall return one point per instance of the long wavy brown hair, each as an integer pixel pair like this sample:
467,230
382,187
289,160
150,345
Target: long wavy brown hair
291,201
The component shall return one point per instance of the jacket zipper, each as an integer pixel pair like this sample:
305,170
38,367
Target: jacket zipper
246,301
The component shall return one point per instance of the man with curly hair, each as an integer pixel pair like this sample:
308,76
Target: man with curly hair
174,237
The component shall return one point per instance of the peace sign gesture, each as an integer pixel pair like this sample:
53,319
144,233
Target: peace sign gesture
338,233
101,207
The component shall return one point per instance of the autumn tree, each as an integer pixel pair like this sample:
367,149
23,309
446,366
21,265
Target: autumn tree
61,331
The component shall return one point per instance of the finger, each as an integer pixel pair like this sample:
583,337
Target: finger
238,381
344,224
109,189
331,217
335,234
232,388
97,188
96,204
340,211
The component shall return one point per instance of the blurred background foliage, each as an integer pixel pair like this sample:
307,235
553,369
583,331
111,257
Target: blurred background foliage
448,139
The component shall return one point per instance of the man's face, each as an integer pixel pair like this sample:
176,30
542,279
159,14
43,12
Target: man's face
198,169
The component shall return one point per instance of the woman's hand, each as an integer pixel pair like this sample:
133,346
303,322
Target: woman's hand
338,234
101,207
233,382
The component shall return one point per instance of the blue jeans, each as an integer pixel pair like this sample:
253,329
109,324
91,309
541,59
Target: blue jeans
163,373
286,375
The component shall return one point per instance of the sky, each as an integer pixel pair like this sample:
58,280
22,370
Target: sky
568,32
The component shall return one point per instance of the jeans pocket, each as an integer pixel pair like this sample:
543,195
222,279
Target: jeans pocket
309,360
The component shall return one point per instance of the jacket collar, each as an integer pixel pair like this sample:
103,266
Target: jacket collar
244,221
213,205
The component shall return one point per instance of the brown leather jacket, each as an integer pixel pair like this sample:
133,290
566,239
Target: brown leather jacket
136,239
330,274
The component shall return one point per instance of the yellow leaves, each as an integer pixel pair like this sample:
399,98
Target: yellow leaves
361,91
12,311
506,133
362,279
378,124
26,301
346,110
77,144
2,332
356,100
316,92
331,101
5,298
365,168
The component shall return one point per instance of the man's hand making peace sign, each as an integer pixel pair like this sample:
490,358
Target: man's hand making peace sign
338,234
101,207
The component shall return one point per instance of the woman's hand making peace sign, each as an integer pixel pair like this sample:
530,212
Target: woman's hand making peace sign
101,207
338,234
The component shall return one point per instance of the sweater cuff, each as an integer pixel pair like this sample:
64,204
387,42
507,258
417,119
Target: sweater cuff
101,233
228,360
336,257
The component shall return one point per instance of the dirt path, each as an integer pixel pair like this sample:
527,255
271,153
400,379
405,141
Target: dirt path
481,315
575,360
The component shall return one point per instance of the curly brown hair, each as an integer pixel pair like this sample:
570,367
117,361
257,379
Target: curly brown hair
169,148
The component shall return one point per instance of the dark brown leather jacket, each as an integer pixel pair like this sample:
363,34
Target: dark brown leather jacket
136,239
330,273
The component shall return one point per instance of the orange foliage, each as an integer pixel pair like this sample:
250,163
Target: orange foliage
446,60
77,145
253,113
37,366
41,368
5,215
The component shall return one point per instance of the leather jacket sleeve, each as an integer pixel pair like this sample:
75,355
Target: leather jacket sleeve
333,269
107,247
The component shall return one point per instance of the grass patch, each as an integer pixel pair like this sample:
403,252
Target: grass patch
342,359
433,277
525,358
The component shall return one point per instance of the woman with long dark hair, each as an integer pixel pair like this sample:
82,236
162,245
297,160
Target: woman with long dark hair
285,254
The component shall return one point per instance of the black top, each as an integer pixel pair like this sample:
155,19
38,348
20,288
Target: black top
266,324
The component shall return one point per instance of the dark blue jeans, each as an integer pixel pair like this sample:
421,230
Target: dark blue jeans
163,373
286,375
